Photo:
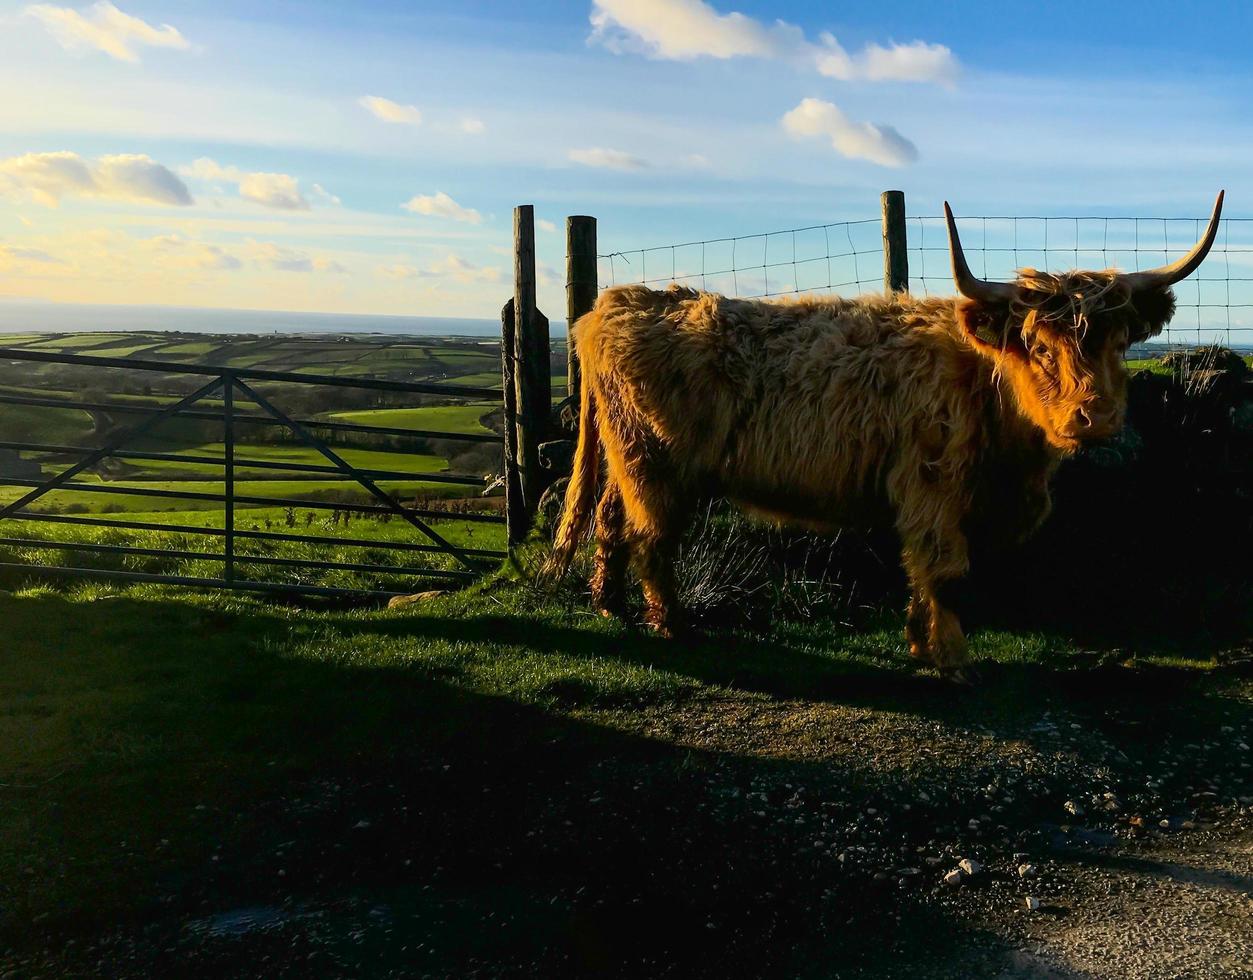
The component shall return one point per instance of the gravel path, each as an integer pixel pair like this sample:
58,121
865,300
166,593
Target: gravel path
894,830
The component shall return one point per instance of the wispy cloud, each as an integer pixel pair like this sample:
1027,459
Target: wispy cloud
179,253
279,191
545,225
684,30
49,177
280,258
857,140
917,61
451,266
325,196
105,28
440,205
473,126
12,254
391,112
599,156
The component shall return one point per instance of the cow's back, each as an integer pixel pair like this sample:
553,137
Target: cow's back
800,408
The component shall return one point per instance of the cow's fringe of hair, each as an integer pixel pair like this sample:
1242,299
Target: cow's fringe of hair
1086,293
580,499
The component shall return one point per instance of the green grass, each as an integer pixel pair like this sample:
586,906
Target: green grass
363,458
1152,364
300,489
57,426
461,419
299,521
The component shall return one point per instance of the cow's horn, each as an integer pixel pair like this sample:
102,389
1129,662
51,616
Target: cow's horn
967,283
1168,275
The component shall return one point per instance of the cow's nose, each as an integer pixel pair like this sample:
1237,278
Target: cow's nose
1083,418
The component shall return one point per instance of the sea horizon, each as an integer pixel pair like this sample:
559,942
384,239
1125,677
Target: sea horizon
42,316
27,316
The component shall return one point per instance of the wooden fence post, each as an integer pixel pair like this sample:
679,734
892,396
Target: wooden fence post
532,374
515,510
581,286
895,243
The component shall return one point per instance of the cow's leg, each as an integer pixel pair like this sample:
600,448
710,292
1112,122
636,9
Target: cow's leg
917,623
656,519
936,561
612,554
654,562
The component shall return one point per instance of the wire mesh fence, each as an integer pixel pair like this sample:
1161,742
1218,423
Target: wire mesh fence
845,257
1214,304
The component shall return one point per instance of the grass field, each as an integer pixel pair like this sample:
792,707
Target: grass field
441,418
310,489
297,521
399,462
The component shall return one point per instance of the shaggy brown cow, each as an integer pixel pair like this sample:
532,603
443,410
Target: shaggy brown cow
944,416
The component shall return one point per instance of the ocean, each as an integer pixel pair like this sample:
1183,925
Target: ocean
19,316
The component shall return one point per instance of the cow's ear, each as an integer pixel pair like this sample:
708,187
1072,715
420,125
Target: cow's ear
1151,310
988,325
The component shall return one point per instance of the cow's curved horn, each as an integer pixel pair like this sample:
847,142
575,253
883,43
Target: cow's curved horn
967,283
1168,275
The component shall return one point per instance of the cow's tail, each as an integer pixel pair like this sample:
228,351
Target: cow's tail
581,491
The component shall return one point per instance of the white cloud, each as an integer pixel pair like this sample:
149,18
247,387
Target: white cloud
48,177
400,271
177,252
283,259
440,205
598,156
683,30
680,30
697,161
455,267
857,140
10,254
391,112
106,29
473,126
205,169
325,196
544,225
451,266
278,191
917,61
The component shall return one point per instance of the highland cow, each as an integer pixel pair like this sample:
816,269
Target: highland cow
944,417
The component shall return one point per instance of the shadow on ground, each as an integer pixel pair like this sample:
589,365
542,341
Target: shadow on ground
230,808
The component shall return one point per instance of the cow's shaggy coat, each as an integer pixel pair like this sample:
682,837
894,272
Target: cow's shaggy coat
940,416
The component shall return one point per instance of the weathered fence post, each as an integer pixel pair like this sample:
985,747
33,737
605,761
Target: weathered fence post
581,286
515,509
895,243
532,374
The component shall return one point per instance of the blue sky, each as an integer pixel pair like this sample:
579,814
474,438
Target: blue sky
222,154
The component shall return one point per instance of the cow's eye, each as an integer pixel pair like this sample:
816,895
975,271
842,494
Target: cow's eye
1042,354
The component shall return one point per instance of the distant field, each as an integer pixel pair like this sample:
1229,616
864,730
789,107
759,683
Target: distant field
57,425
403,359
363,458
463,419
103,501
491,379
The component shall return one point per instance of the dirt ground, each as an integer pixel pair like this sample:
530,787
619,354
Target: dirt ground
746,832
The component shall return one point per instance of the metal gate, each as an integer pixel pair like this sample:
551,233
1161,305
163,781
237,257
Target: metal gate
239,407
